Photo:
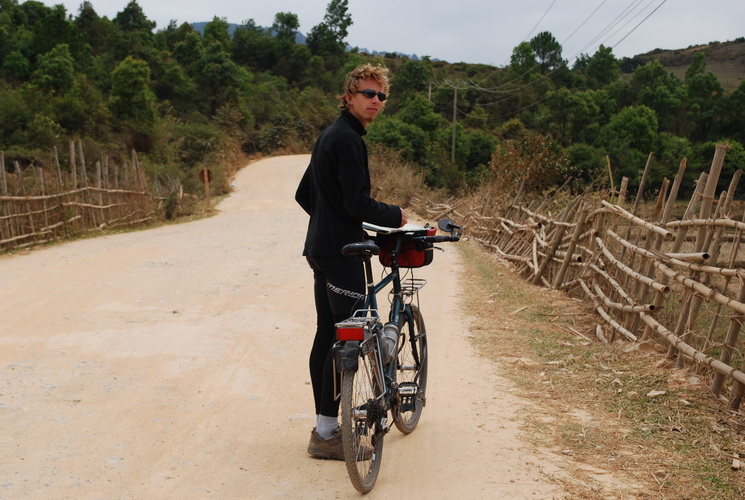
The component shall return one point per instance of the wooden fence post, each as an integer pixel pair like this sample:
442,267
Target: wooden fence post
677,244
702,238
664,219
578,229
555,243
73,167
7,223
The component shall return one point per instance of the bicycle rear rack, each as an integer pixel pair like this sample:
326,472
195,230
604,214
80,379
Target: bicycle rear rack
410,286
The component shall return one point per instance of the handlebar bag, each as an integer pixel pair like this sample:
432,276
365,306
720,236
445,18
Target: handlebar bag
412,253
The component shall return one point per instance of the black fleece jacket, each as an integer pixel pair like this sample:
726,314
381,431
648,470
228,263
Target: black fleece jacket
335,190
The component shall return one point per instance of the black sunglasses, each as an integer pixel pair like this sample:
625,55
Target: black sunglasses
370,93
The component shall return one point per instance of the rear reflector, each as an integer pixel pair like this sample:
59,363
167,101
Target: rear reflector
350,334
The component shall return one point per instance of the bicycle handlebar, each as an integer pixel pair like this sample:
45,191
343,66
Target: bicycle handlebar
436,238
444,225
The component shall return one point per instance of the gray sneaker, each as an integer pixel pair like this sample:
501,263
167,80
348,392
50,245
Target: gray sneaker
332,448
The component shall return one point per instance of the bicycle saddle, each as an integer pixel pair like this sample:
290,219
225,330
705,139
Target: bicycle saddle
366,248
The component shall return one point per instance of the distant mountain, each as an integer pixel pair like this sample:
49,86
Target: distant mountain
725,59
302,40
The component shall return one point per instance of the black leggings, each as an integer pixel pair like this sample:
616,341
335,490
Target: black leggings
339,289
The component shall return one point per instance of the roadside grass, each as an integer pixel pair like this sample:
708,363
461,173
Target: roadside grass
603,406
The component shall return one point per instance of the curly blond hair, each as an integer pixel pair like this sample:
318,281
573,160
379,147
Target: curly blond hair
363,72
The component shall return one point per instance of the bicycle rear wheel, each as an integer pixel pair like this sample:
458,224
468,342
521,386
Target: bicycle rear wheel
362,414
411,370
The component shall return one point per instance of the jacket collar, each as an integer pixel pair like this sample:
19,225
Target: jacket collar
353,121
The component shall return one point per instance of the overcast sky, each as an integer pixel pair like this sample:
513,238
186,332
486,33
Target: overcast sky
476,31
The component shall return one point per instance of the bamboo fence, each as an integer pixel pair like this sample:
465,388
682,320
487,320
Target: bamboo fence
39,205
672,281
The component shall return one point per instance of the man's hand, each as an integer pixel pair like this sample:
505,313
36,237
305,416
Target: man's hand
404,218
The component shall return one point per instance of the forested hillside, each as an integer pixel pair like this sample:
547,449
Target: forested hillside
185,99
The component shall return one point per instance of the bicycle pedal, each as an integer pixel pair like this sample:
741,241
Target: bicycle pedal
408,392
408,389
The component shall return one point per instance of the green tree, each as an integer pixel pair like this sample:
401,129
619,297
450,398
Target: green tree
547,51
571,112
421,113
629,137
82,111
327,38
132,101
480,146
411,79
173,34
733,114
523,60
635,127
661,91
51,29
133,36
602,68
697,67
173,86
586,165
217,31
93,30
132,18
55,71
408,139
253,46
189,51
704,93
292,67
17,66
218,78
285,29
15,114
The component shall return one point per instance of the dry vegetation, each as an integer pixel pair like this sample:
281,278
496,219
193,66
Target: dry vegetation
620,408
606,407
726,60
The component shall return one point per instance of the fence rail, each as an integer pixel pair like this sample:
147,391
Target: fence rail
677,283
41,205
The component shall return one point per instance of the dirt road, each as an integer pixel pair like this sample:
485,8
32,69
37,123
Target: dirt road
172,363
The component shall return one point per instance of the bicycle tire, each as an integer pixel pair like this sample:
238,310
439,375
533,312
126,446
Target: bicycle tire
361,424
411,370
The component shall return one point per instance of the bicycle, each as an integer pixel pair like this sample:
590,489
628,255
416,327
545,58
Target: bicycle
383,367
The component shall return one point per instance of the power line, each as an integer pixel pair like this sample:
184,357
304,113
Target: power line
649,4
539,21
640,23
630,8
625,12
527,71
583,22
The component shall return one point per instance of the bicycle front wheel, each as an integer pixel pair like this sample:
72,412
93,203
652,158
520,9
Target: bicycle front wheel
411,370
362,415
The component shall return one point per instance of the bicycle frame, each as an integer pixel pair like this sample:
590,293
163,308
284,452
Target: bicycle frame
368,318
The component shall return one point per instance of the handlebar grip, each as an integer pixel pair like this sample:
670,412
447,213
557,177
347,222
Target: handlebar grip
437,239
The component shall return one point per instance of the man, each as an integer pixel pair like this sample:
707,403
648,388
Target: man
335,192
